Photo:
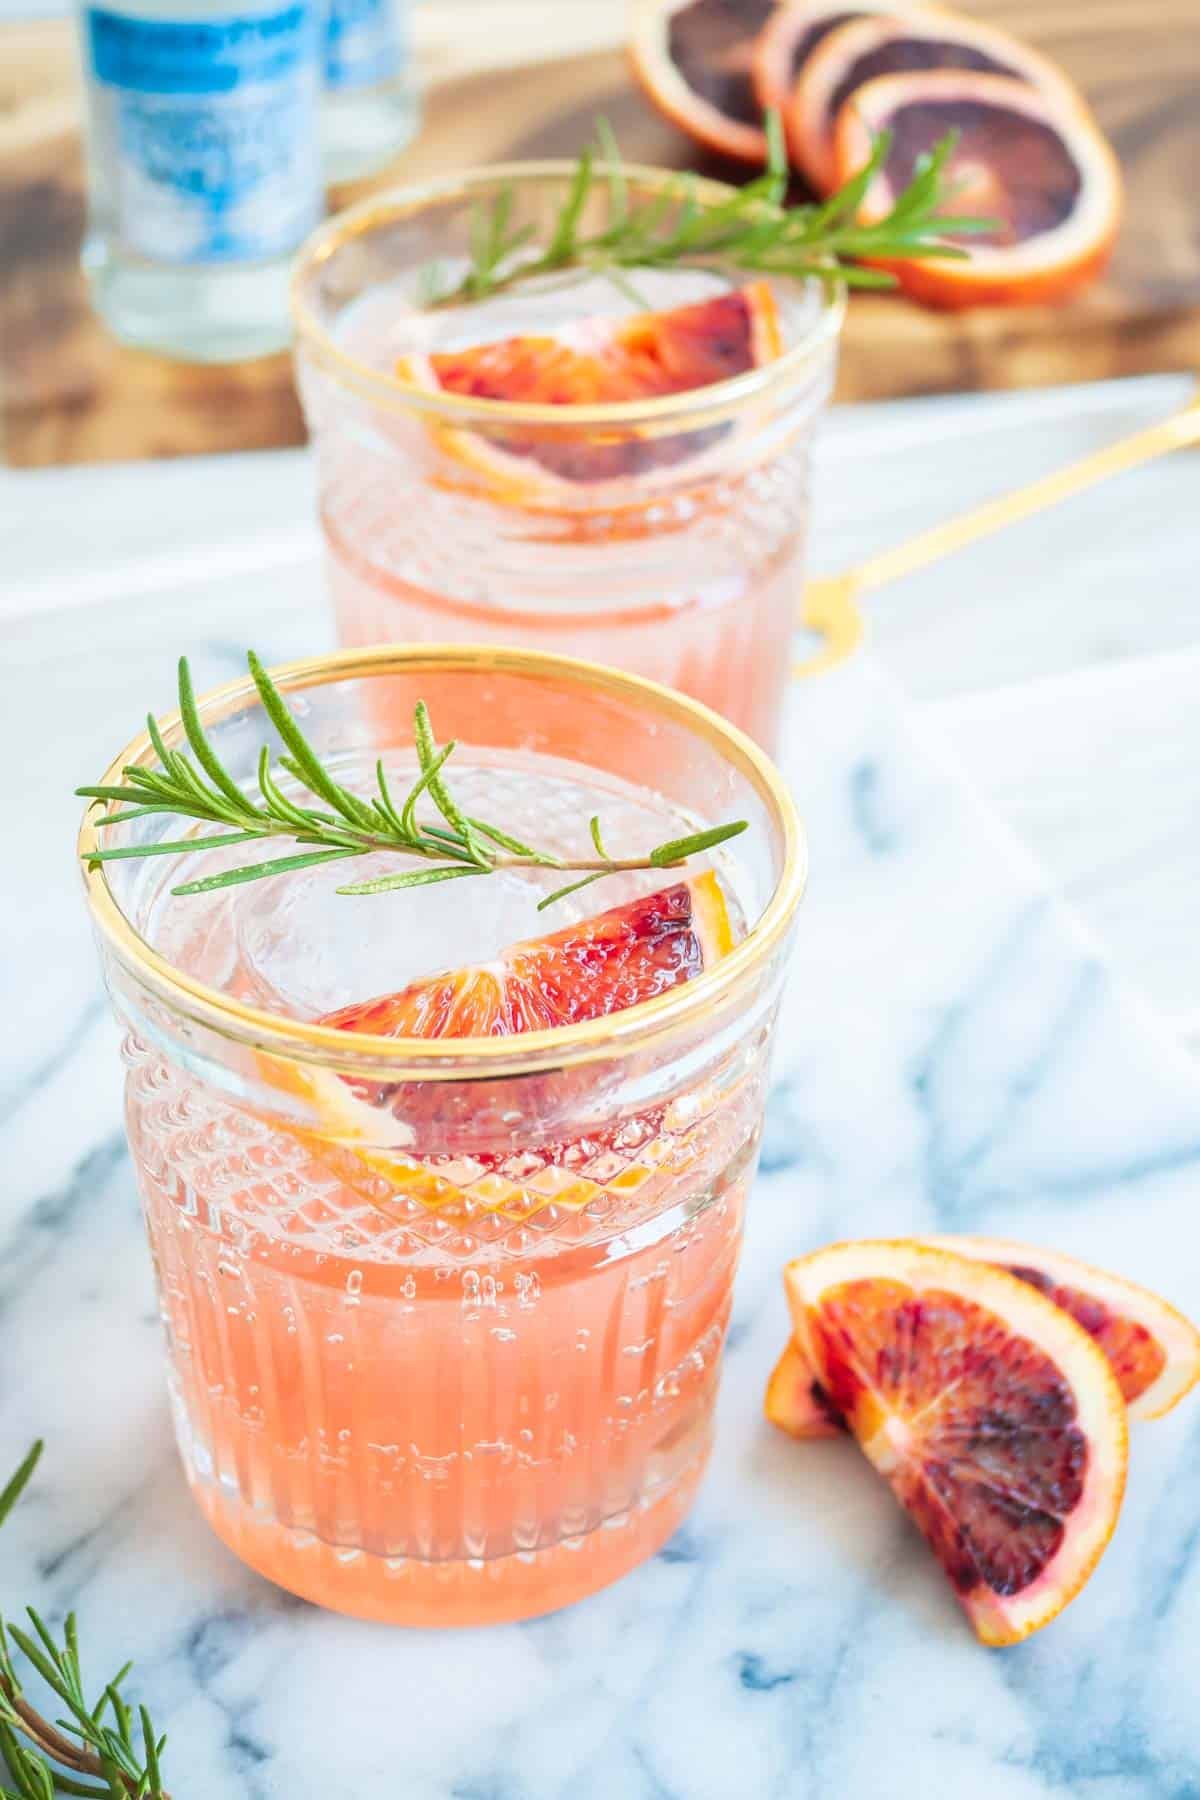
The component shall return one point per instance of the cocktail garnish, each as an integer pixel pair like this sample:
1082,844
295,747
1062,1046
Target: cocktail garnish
345,825
995,1418
119,1759
753,229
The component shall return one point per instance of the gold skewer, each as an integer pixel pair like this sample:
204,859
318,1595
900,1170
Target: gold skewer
829,606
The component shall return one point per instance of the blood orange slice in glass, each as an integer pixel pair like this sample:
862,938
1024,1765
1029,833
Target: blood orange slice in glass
601,965
995,1419
1034,162
588,970
1153,1350
886,43
599,361
693,58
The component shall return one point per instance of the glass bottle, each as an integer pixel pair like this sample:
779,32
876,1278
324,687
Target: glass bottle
203,168
371,106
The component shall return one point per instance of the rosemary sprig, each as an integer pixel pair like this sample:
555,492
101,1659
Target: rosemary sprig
344,825
82,1754
754,229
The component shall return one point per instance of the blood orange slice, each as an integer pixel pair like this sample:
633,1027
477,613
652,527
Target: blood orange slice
599,361
993,1416
602,965
693,58
791,34
1036,163
883,43
1153,1350
796,1401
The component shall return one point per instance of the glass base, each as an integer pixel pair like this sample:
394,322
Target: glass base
405,1591
204,314
361,132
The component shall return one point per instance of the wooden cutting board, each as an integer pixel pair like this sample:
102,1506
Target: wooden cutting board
69,394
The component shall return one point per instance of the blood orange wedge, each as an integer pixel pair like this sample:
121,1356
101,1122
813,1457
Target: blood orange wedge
790,36
600,361
693,57
896,43
994,1417
1153,1350
1034,162
601,965
796,1401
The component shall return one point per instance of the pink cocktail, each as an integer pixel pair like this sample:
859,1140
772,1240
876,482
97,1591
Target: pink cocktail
665,535
445,1318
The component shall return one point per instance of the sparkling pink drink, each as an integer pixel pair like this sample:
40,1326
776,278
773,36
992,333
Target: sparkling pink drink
665,536
445,1320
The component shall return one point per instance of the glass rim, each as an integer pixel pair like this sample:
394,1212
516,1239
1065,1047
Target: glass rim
305,1041
694,407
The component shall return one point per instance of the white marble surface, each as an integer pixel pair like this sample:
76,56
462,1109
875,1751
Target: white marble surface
956,1053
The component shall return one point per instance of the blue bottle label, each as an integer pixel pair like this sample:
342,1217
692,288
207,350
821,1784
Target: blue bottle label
365,43
207,131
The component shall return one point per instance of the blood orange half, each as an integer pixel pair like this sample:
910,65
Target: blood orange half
1153,1351
693,58
886,43
599,361
1036,163
994,1417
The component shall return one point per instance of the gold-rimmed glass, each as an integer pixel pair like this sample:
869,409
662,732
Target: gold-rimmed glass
664,536
444,1319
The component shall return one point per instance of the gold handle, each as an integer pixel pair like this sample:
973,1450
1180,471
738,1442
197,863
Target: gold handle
828,609
829,603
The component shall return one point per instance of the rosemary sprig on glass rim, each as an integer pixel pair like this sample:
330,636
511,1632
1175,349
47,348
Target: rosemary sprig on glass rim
85,1753
754,229
344,825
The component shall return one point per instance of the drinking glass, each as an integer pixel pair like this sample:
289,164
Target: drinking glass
664,536
457,1364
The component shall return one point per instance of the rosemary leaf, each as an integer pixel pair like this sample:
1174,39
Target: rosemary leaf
281,865
305,759
160,749
618,187
506,841
180,847
277,804
431,765
410,878
677,850
572,887
17,1483
562,244
202,749
385,799
153,1748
